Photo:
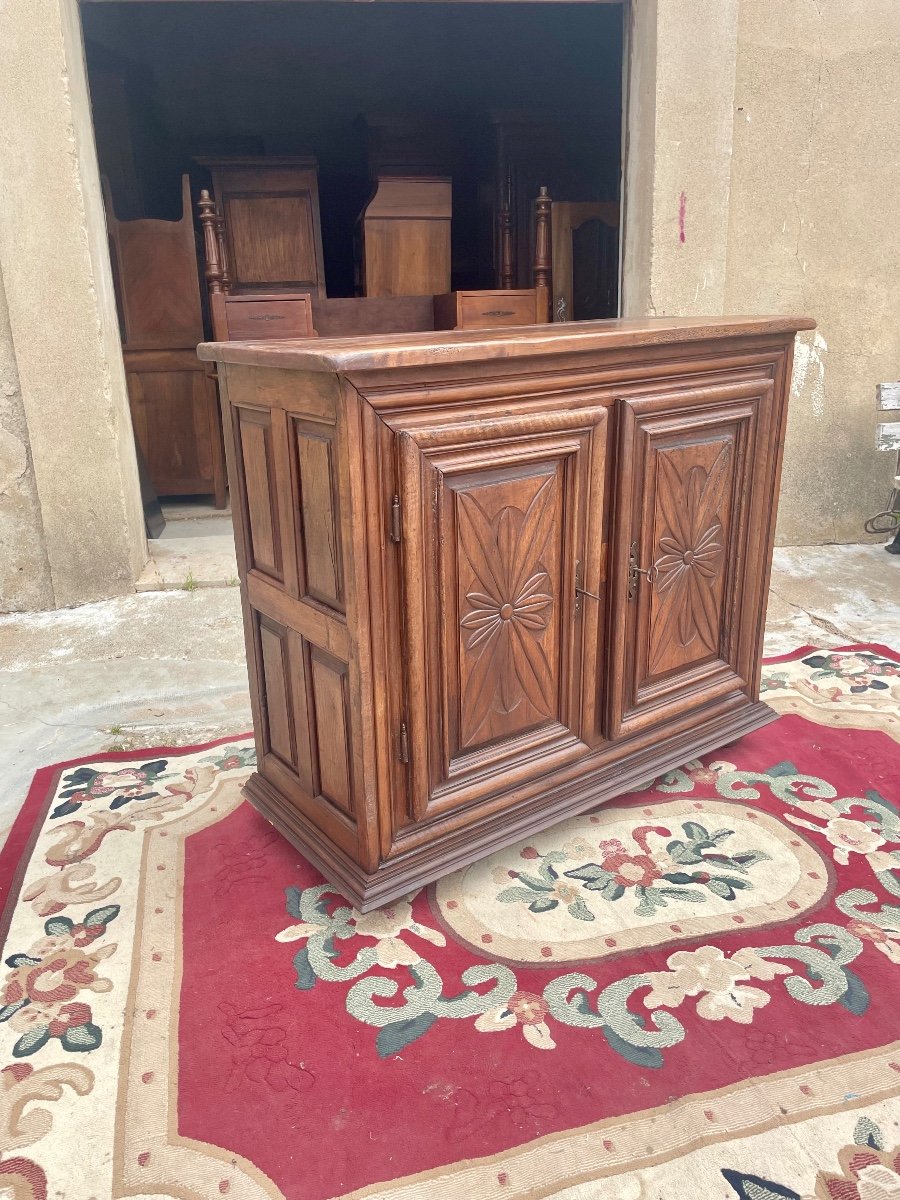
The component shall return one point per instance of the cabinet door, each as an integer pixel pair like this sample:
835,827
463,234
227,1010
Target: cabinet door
690,551
493,531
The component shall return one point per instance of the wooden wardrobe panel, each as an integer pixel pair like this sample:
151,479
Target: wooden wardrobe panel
175,415
272,239
272,230
157,280
406,238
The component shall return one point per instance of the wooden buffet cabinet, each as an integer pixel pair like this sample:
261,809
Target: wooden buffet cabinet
492,579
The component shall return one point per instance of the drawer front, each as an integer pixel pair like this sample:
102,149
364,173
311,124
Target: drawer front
254,320
479,310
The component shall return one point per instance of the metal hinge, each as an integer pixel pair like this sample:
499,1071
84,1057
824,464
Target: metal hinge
395,519
403,747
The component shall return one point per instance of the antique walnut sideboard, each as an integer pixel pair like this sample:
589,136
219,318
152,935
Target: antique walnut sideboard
492,579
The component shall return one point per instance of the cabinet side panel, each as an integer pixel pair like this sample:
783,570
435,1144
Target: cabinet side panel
332,724
319,515
289,467
253,435
278,711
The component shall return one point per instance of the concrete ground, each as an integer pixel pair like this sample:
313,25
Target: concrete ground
166,666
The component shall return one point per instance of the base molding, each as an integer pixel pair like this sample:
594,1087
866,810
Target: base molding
410,870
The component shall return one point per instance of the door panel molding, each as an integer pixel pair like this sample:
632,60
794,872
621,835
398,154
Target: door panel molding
684,518
492,533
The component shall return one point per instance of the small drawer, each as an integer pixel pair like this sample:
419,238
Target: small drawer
489,310
255,320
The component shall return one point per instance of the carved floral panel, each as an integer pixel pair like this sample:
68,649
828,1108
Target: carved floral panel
509,583
693,497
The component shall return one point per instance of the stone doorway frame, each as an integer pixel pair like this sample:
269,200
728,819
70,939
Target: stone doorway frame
83,538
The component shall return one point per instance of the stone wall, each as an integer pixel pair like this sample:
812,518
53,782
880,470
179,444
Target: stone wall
55,267
814,227
680,99
24,571
763,176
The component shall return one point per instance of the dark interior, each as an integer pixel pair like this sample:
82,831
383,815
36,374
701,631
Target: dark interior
170,82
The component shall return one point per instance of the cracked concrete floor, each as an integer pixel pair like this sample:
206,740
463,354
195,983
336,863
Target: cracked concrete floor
167,667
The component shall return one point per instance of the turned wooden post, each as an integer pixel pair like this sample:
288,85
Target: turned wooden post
506,250
223,255
542,278
206,208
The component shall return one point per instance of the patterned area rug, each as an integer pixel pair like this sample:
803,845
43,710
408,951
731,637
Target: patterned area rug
691,993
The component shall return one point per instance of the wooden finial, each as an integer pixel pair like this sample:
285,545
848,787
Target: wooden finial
223,255
506,250
542,265
206,208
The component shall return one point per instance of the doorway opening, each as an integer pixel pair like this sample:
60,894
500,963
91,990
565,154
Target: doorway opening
498,99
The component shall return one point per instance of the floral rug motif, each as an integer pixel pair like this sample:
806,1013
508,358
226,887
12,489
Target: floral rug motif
691,990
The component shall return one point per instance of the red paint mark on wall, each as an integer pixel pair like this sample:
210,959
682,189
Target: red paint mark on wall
682,208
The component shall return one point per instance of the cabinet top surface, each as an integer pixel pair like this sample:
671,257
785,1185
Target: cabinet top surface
442,347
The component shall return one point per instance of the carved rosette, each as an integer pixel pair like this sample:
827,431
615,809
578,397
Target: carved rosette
689,569
506,616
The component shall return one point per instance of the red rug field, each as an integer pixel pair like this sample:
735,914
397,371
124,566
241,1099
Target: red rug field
694,992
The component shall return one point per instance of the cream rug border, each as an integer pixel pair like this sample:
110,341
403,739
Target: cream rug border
151,1158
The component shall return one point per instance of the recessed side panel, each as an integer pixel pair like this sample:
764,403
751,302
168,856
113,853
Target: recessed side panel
253,435
306,726
279,717
319,515
333,759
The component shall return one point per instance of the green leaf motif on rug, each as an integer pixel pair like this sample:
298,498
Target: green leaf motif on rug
306,976
867,1133
31,1041
751,1187
856,997
82,1038
641,1056
397,1036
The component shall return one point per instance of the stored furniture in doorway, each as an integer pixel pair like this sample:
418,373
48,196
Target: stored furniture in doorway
174,407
